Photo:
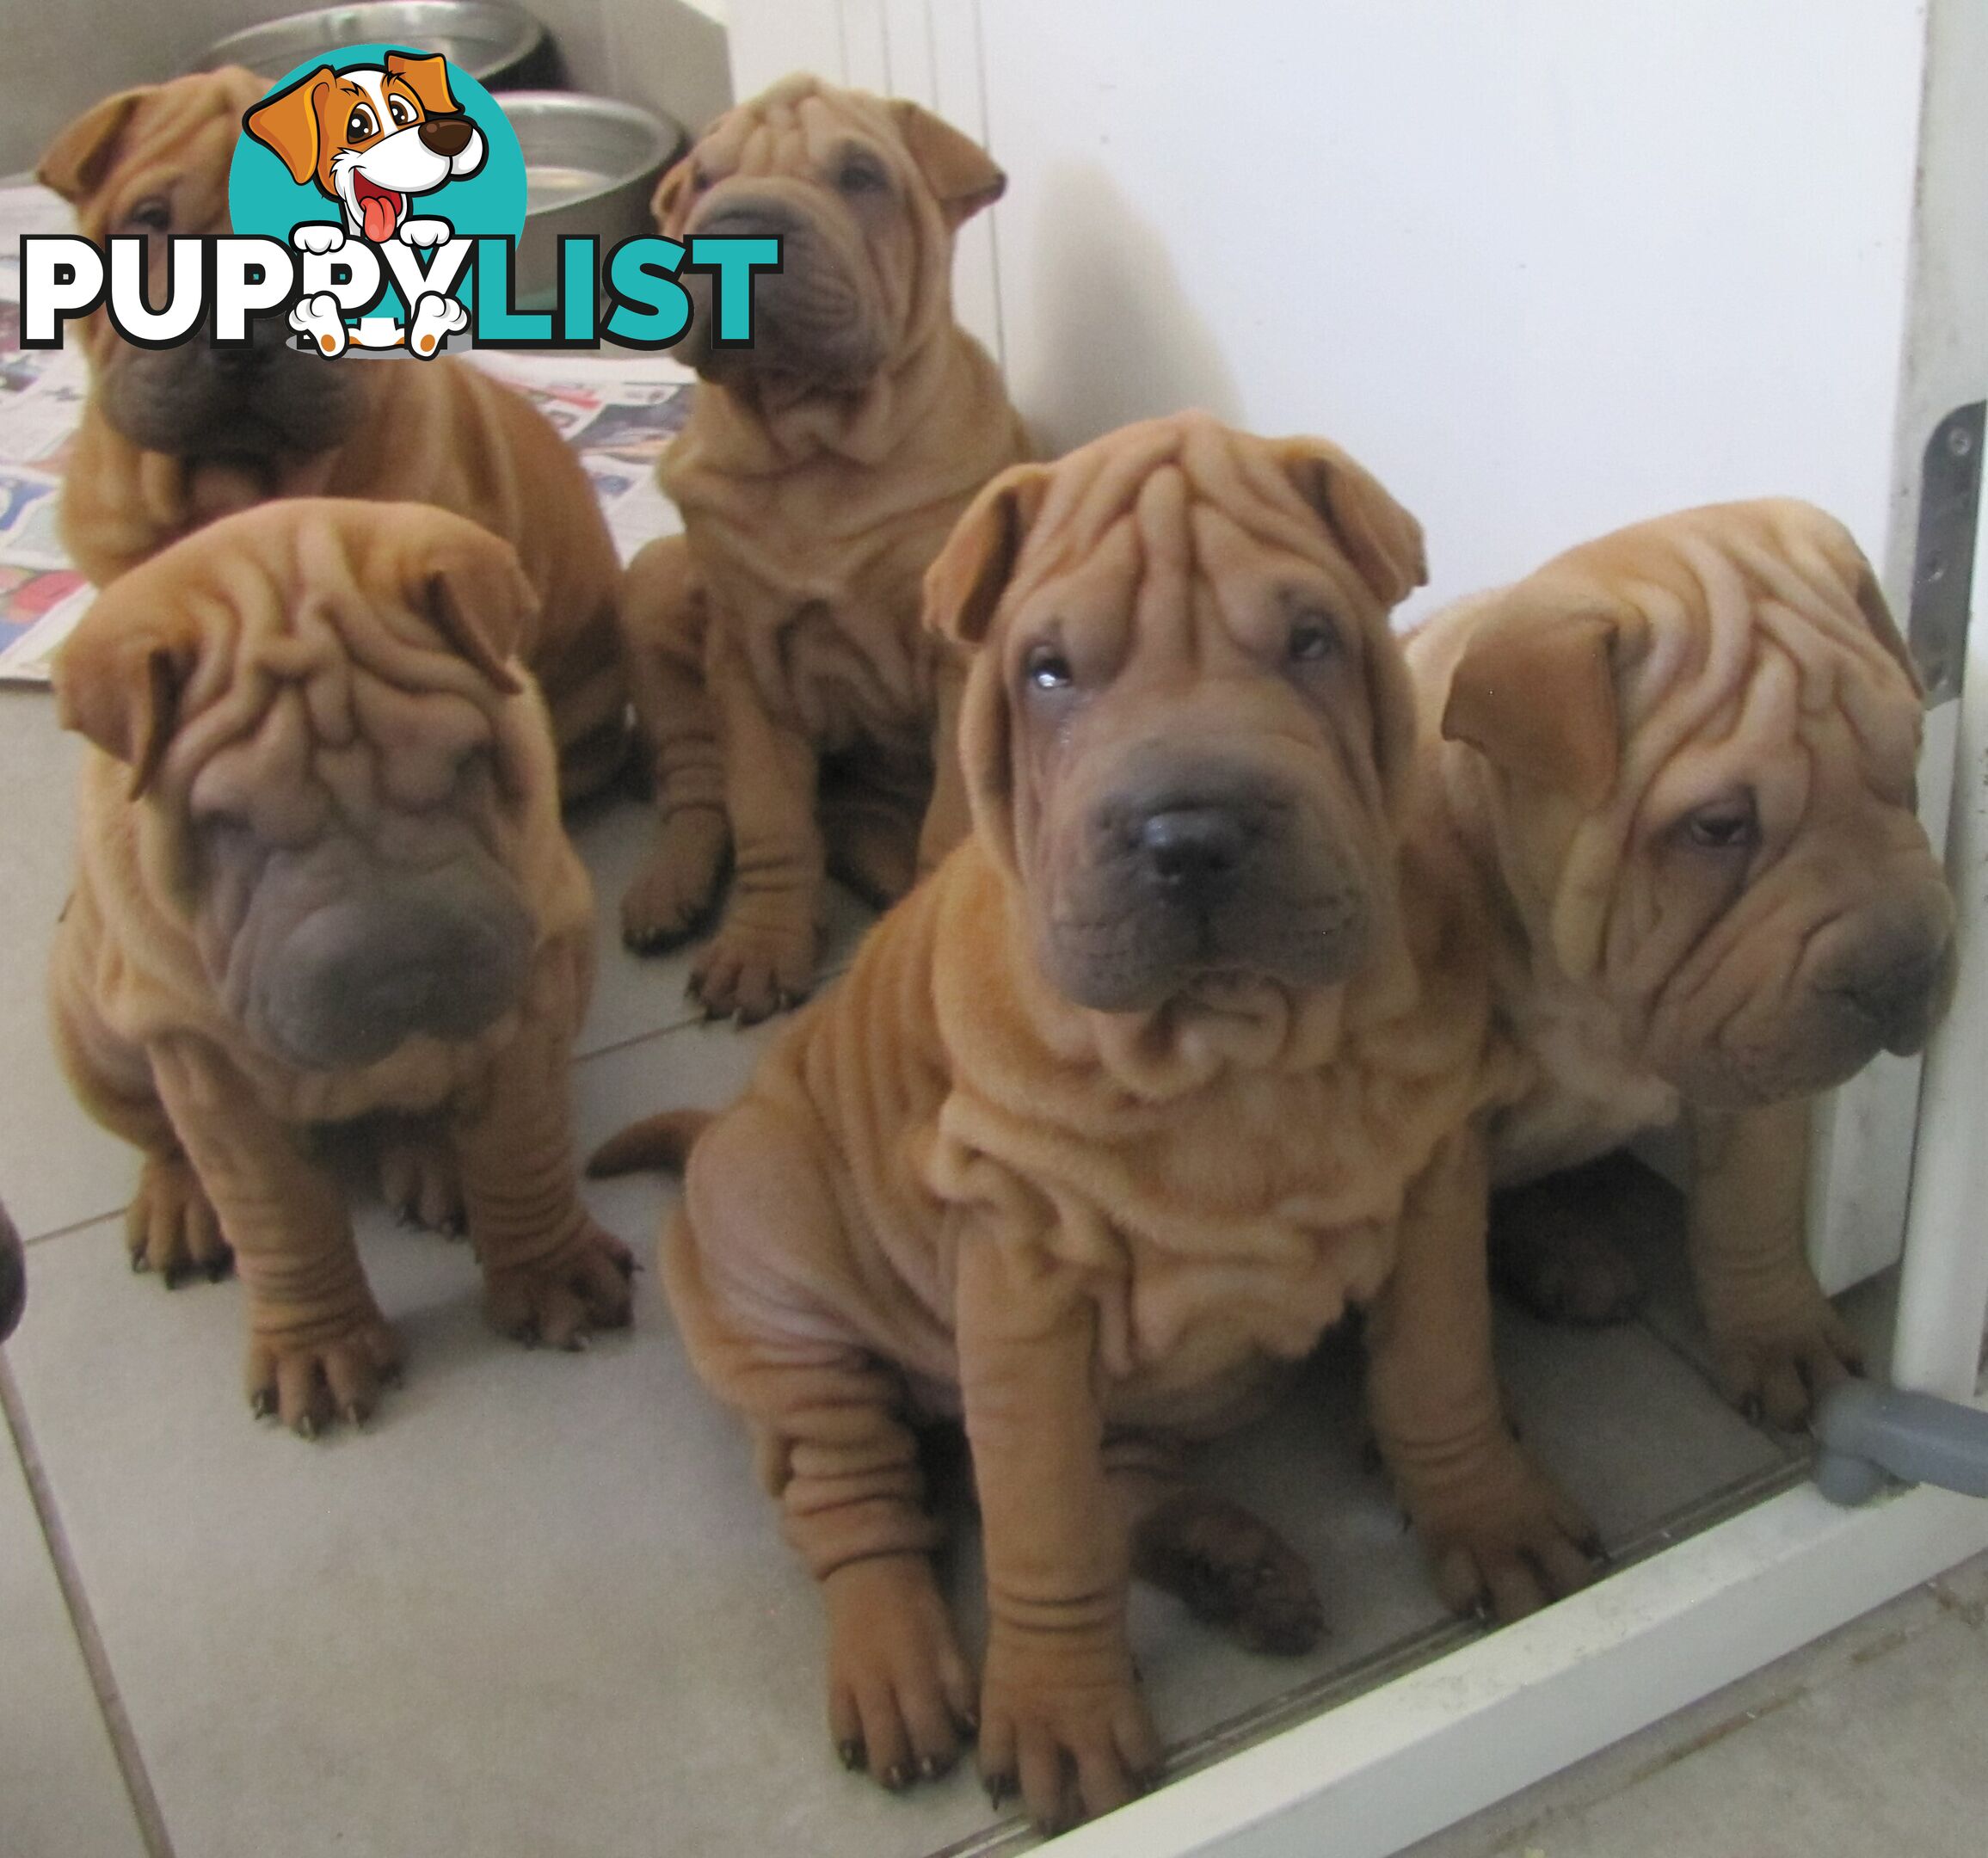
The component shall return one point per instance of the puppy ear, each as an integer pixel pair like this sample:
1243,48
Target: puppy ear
76,161
1877,612
1535,693
1852,567
428,78
480,601
956,168
121,684
1380,539
287,123
965,585
670,203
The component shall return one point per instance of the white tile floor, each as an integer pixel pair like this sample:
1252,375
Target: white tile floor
541,1607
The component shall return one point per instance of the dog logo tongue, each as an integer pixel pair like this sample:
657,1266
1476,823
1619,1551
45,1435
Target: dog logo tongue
379,209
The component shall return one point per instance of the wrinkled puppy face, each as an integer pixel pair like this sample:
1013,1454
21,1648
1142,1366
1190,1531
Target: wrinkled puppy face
153,164
1709,727
332,766
864,196
1187,730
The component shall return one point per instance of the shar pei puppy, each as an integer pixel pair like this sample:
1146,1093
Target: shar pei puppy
790,698
1683,757
173,438
321,878
1178,1058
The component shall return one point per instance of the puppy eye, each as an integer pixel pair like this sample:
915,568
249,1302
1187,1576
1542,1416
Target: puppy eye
1725,826
1313,638
1046,668
401,110
151,215
359,124
862,173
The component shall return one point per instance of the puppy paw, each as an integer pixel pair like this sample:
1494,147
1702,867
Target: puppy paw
1778,1367
423,232
1506,1541
1231,1571
171,1228
750,972
674,892
318,317
575,1287
435,318
312,1378
900,1694
319,238
1074,1742
421,1184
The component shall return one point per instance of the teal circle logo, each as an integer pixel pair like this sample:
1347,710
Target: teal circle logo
377,139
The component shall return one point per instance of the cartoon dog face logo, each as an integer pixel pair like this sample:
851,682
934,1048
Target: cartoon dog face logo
372,137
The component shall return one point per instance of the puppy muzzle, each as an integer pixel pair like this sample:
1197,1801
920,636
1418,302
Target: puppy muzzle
341,959
814,323
1180,884
262,400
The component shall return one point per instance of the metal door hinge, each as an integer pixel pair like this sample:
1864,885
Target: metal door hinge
1943,564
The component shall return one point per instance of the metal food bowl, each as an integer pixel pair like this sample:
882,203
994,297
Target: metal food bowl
591,166
497,44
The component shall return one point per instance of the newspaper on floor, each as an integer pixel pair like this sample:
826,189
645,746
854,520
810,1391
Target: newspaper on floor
617,409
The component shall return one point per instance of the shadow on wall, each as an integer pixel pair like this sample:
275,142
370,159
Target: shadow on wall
1123,341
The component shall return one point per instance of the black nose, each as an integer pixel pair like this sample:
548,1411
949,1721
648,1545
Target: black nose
446,135
747,219
1193,848
1900,1000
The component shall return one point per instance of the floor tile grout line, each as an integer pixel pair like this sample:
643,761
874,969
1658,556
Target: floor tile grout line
74,1227
145,1801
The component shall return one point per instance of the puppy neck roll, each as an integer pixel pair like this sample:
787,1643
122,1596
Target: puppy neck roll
328,741
1187,733
864,194
1702,733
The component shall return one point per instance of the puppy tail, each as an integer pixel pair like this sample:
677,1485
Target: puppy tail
657,1141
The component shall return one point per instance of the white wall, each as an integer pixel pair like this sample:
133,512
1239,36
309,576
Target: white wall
1547,265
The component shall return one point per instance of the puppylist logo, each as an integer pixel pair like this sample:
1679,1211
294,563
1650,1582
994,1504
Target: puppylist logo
377,199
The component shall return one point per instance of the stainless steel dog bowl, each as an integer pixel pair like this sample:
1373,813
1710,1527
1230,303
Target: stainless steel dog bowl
591,166
495,43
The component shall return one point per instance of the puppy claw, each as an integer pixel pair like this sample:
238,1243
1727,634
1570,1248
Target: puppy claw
263,1403
355,1417
579,1343
897,1778
139,1264
930,1767
307,1426
999,1787
850,1754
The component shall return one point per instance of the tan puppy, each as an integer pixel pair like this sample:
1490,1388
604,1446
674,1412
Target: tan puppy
173,438
820,472
1175,1060
1683,757
320,877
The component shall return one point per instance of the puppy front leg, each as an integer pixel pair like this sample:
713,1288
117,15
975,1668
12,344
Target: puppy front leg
550,1273
1061,1712
662,627
318,1348
762,959
1777,1344
1496,1528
